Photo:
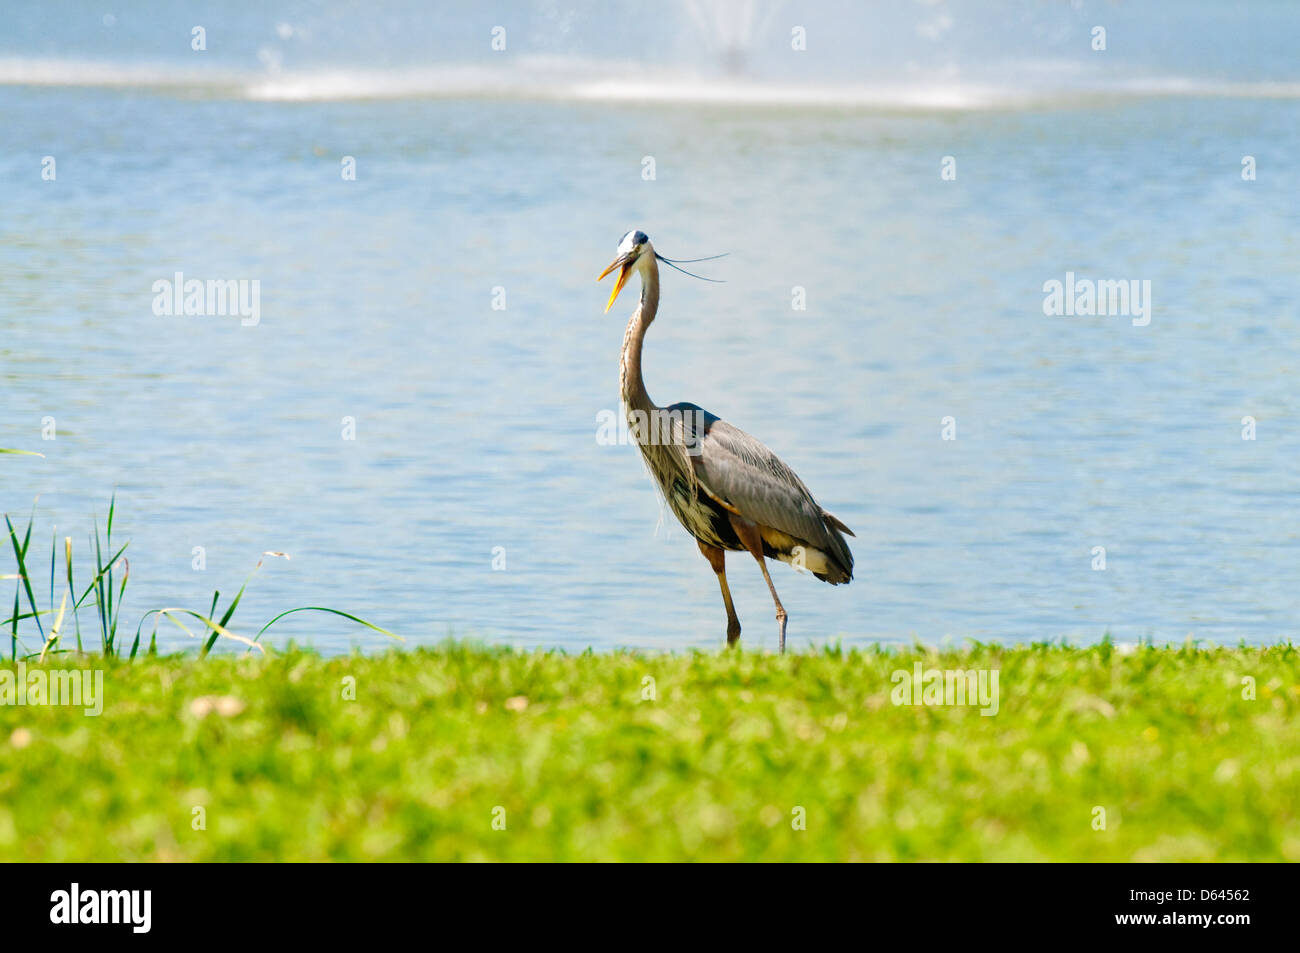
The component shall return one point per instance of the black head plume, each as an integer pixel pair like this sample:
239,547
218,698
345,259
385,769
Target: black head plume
674,262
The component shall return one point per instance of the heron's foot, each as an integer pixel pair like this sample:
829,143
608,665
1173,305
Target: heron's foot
733,633
780,623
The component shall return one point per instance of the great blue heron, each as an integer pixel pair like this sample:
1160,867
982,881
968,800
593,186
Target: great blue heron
726,488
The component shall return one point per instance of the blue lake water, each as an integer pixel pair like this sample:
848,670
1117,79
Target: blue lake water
476,426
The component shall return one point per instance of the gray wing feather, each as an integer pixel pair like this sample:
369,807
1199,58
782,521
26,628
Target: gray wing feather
741,472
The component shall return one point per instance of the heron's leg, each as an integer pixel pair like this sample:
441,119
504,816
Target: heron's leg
718,560
752,540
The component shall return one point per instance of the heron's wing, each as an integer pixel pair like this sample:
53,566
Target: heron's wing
745,476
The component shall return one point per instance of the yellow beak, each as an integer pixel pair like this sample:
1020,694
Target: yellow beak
622,279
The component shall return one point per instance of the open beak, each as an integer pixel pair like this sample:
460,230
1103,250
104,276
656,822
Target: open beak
625,266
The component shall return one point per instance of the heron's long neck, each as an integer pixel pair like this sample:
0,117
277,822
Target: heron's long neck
631,383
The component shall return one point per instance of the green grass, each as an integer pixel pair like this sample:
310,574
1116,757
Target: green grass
710,769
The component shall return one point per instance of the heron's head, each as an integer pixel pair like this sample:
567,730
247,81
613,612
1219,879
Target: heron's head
634,251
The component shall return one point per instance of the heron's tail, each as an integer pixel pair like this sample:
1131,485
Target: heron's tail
838,555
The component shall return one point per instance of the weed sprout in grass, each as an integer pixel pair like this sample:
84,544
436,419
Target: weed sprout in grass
107,588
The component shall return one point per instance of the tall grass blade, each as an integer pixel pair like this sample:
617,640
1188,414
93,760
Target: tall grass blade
171,612
99,594
207,645
67,557
346,615
230,610
20,552
95,582
54,632
108,542
121,591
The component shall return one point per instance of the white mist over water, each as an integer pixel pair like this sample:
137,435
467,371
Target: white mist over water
928,54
